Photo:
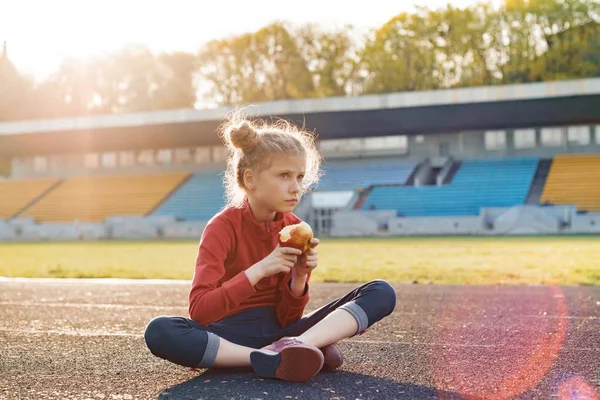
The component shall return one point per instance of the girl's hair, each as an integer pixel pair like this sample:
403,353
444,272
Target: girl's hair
251,145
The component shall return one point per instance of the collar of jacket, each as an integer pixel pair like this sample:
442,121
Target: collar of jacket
264,230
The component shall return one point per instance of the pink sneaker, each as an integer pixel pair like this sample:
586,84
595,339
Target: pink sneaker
333,358
293,360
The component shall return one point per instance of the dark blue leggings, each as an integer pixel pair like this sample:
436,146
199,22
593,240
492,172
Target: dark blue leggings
187,343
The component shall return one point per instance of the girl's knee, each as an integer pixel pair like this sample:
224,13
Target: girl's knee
386,294
181,341
157,333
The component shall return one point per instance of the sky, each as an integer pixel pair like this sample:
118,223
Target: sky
40,34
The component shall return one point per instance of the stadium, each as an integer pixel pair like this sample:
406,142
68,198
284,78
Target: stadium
503,160
460,194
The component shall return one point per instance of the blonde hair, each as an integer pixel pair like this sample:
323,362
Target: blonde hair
251,144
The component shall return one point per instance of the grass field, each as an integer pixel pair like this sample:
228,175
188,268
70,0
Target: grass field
518,260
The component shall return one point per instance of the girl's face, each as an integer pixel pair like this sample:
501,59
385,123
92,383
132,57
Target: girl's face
279,187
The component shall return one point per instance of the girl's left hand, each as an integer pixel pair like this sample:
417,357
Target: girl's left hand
307,261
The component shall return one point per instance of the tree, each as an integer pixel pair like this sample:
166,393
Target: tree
533,25
571,36
284,70
261,66
572,54
176,73
73,90
129,80
401,56
483,44
227,69
14,89
331,58
463,44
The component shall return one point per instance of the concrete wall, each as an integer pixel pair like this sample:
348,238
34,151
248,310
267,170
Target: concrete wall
360,223
520,220
114,228
585,223
438,226
7,232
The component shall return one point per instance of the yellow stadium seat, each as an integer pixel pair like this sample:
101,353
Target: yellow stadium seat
94,198
15,195
574,179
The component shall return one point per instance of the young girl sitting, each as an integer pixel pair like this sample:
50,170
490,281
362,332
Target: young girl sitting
248,293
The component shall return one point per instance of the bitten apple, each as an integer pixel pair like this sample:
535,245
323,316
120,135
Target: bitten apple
298,236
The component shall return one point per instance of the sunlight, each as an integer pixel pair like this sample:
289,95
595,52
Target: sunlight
64,29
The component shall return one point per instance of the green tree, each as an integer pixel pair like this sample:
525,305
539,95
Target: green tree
227,70
401,56
332,58
571,36
547,39
483,44
262,66
285,71
463,42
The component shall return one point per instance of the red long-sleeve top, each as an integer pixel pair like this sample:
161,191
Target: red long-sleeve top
232,242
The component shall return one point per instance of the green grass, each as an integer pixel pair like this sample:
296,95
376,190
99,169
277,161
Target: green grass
456,260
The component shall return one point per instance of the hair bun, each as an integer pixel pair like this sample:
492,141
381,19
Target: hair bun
243,137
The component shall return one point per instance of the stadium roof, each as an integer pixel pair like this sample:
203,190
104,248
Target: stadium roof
451,110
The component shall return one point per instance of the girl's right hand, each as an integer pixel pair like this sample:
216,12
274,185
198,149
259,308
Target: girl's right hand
282,259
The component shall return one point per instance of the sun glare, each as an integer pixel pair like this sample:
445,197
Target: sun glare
64,29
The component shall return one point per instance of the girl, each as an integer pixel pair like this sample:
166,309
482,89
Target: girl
248,294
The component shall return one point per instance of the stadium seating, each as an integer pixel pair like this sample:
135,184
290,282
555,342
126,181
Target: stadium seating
574,179
15,195
477,184
93,198
356,174
200,198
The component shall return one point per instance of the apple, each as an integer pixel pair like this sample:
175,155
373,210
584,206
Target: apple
298,236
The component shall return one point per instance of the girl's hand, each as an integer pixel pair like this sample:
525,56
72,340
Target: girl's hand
282,259
307,261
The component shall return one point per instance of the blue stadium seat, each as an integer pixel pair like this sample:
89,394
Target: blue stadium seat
357,174
200,198
477,184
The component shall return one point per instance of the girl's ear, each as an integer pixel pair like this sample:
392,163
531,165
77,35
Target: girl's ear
249,179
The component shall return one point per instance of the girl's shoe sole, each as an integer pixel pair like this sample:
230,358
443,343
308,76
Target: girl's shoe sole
294,364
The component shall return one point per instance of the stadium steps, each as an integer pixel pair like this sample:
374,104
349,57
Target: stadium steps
16,196
539,180
362,198
453,170
94,198
574,179
410,181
